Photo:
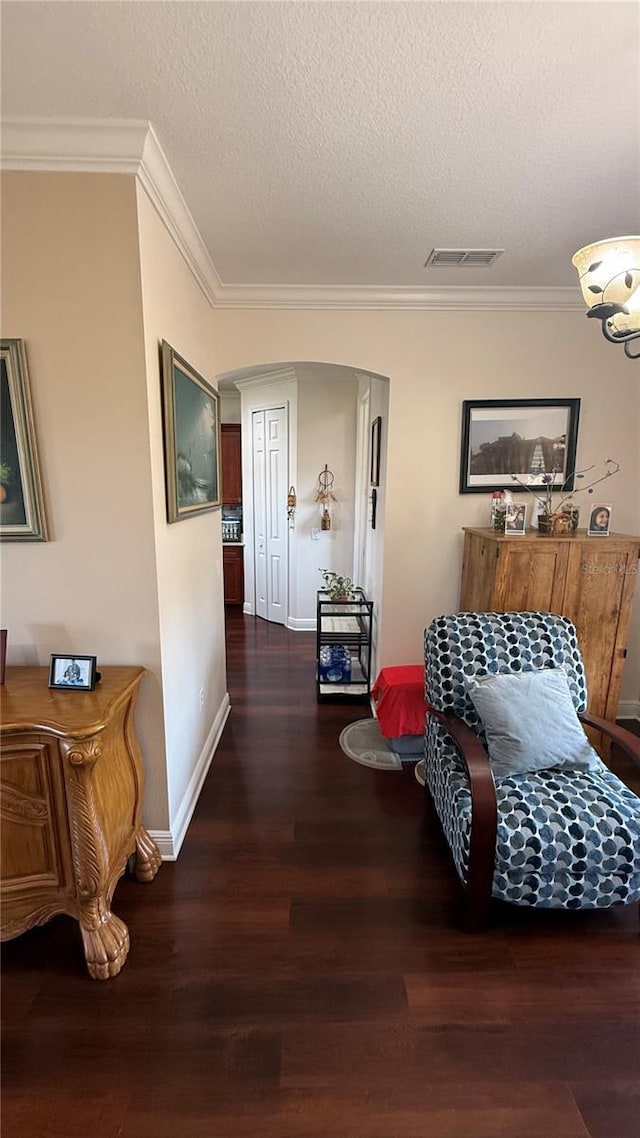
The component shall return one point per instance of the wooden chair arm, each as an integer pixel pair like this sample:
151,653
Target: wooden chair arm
484,815
626,740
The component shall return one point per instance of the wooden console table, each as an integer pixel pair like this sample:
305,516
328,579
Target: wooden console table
71,782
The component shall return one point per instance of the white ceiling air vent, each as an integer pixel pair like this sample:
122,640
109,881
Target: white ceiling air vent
451,258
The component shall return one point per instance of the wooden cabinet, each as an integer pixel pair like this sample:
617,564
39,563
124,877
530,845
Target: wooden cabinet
231,463
71,784
233,567
589,579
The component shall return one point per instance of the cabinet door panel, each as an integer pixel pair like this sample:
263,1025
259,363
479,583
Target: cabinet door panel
233,566
599,589
35,851
529,578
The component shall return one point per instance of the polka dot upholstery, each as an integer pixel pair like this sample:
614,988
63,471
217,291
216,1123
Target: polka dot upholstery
565,839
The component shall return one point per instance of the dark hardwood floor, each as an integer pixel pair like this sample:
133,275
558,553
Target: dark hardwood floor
301,971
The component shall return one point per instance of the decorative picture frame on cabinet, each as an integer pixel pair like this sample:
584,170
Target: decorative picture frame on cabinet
599,521
191,426
376,431
515,519
74,673
506,441
22,512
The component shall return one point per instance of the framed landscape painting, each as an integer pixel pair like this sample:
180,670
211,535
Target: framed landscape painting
22,516
525,438
191,422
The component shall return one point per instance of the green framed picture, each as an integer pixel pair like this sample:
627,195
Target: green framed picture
22,514
191,422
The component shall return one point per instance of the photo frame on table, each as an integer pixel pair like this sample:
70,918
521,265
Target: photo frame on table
22,512
376,431
74,673
191,427
599,521
523,437
515,519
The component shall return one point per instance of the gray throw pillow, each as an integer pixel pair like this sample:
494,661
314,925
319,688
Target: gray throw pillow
530,722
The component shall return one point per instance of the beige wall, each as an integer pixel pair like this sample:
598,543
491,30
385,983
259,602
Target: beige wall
434,361
188,553
71,290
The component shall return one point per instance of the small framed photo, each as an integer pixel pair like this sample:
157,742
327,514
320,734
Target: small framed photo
515,519
599,521
77,672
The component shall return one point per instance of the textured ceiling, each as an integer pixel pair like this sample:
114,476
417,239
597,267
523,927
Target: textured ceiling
338,142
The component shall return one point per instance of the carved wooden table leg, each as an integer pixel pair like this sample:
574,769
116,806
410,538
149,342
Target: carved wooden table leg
105,938
148,857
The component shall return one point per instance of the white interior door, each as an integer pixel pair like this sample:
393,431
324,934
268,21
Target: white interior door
270,446
259,513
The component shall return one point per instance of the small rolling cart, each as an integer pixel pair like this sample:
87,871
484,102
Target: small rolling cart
343,650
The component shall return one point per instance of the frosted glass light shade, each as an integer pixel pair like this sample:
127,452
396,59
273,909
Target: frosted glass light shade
609,273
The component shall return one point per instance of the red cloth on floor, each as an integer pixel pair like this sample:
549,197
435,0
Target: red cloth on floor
398,694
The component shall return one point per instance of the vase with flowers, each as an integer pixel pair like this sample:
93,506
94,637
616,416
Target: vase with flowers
561,516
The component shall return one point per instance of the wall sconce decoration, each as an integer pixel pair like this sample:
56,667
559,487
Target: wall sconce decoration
292,503
609,273
325,495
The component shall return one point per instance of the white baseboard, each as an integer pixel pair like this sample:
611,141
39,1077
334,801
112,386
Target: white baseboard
164,842
169,842
629,709
301,625
247,609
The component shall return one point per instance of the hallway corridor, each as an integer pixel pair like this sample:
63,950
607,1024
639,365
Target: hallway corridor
300,972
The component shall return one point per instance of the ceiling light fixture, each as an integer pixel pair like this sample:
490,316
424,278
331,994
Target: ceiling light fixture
609,273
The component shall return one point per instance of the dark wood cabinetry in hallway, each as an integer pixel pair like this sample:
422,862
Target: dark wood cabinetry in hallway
232,550
231,463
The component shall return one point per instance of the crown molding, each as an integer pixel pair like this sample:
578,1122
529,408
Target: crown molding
131,146
73,145
285,374
125,146
453,298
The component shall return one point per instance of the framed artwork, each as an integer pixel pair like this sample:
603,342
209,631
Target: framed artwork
76,672
526,438
599,521
22,515
191,424
515,519
376,429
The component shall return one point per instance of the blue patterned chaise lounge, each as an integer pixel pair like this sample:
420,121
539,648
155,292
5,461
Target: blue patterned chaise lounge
557,838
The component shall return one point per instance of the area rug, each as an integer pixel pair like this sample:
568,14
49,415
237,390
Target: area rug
363,743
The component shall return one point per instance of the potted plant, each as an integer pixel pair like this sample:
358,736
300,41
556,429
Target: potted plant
339,587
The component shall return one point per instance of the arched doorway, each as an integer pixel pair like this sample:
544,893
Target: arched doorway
329,412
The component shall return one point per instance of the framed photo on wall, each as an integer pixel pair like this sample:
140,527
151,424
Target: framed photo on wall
191,425
22,515
523,437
